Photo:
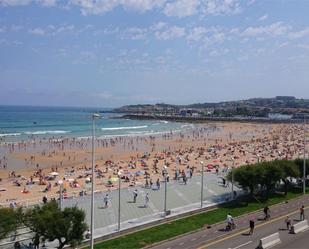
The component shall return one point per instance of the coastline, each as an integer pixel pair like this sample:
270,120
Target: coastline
208,119
214,143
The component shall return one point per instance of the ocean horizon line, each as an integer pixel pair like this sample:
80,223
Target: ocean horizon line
59,106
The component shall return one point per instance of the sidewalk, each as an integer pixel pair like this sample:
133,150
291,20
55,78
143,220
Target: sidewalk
181,198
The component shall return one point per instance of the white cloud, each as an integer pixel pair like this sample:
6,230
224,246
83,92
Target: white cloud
158,26
14,2
250,2
179,8
103,6
26,2
196,34
53,30
215,38
64,29
217,7
182,8
234,31
37,31
135,33
219,37
263,18
274,29
170,33
47,2
299,34
142,5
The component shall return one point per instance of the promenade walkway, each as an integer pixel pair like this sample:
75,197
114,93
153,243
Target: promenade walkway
181,198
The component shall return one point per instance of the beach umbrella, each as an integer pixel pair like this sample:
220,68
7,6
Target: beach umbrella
54,173
114,179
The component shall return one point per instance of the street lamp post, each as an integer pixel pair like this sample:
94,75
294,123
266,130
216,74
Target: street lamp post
202,184
165,189
60,196
119,187
304,166
94,117
233,160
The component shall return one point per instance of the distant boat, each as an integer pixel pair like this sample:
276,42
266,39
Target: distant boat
34,123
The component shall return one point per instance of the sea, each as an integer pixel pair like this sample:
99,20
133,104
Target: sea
20,123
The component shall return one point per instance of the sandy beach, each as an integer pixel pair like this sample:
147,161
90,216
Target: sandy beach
35,168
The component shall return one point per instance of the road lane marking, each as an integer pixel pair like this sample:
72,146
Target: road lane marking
244,244
247,229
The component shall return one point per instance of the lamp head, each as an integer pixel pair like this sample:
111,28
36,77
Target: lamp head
95,116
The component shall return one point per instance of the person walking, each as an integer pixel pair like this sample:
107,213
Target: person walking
224,182
288,223
146,200
158,184
184,177
135,193
266,213
251,225
106,199
302,213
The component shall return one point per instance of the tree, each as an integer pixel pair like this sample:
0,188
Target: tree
289,170
9,221
247,177
300,163
50,223
271,175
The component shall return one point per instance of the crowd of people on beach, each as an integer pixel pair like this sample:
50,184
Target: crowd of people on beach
48,163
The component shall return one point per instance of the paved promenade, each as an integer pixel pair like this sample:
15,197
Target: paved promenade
180,198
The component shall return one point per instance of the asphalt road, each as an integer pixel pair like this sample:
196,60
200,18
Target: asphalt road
217,237
300,241
242,239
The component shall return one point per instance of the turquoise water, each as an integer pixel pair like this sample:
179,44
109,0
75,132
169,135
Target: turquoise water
26,122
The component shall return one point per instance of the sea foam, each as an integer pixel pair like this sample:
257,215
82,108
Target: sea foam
9,134
45,132
123,128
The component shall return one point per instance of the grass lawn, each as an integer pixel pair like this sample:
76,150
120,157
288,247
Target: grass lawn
165,231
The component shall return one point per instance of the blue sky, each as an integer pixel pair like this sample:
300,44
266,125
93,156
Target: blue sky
114,52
